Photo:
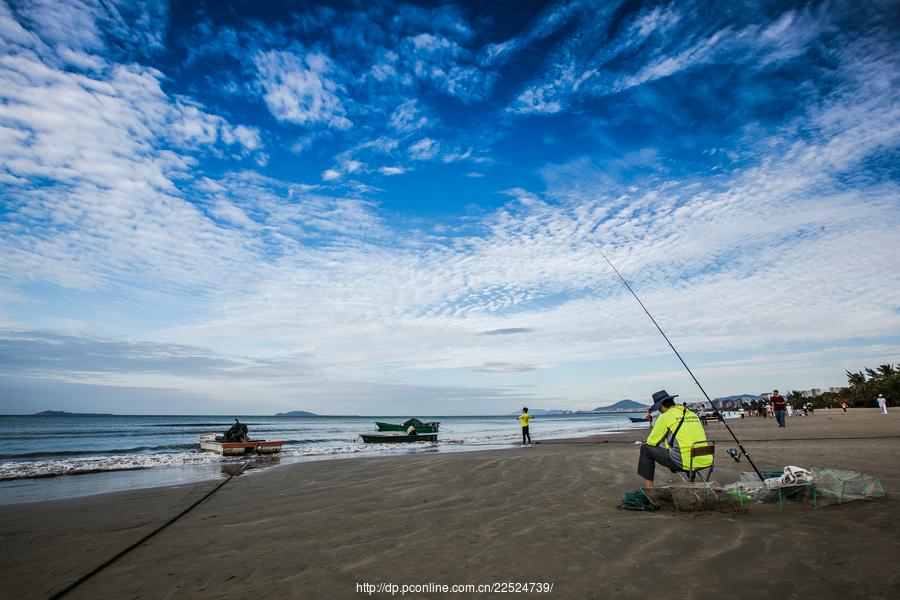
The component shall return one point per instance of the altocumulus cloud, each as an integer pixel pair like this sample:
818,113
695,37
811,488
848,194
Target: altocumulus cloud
261,285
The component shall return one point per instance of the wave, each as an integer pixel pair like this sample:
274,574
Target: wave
144,454
98,451
125,462
221,424
82,466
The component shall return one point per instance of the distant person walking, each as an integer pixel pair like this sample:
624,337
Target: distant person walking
844,406
523,419
882,404
778,407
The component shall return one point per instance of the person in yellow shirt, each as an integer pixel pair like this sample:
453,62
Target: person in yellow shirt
671,438
523,419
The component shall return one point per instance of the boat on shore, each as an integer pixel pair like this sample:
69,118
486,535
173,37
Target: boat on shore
639,419
420,427
381,438
209,443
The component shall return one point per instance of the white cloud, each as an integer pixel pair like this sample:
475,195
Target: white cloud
190,126
763,258
797,247
590,63
298,89
424,149
408,117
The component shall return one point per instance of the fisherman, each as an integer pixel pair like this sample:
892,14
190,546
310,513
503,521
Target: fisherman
236,433
670,440
523,419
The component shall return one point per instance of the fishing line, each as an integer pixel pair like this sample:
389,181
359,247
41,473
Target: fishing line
778,440
711,403
122,553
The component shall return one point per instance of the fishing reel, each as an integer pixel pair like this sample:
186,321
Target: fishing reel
736,454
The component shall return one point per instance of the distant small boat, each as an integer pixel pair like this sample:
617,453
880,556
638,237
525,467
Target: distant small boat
209,443
639,419
380,438
430,427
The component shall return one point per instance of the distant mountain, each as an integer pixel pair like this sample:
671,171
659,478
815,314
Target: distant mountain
62,413
623,406
735,402
296,413
742,397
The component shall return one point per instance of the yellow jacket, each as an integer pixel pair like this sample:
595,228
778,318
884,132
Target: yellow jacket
690,432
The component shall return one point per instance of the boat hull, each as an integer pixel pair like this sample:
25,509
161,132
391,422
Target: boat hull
208,443
398,439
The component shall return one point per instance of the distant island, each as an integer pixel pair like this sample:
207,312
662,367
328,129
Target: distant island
622,406
296,413
62,413
544,412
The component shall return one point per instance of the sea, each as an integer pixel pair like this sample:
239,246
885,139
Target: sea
53,457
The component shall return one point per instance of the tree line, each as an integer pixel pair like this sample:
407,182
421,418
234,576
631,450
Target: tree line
862,389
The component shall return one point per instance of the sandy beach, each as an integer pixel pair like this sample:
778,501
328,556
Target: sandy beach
545,514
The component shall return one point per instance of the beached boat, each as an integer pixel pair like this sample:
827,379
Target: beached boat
209,443
429,427
639,419
381,438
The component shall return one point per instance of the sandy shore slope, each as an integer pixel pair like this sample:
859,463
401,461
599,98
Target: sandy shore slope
544,514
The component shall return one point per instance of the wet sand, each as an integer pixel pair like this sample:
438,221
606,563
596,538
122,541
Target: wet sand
541,514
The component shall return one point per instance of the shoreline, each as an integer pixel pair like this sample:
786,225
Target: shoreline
208,471
541,514
111,481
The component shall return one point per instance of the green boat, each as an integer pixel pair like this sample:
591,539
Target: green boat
430,427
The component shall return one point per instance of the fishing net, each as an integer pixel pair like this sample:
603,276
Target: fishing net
637,501
816,487
692,497
836,486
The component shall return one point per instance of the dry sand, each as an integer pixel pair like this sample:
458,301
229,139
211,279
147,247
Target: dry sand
541,514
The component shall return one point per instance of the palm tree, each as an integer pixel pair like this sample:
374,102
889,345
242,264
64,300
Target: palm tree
872,374
886,370
855,379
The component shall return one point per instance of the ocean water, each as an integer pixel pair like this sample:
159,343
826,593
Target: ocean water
41,455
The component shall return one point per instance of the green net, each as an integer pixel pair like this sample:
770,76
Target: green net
819,487
836,486
693,497
816,487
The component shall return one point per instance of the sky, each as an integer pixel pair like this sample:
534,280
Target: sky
384,208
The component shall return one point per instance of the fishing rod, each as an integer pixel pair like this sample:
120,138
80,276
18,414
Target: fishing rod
736,456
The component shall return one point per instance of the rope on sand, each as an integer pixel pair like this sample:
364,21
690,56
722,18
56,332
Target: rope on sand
122,553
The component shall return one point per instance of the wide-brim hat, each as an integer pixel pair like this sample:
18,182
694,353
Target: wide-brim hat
659,397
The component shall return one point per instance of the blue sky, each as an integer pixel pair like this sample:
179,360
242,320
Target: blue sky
389,208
